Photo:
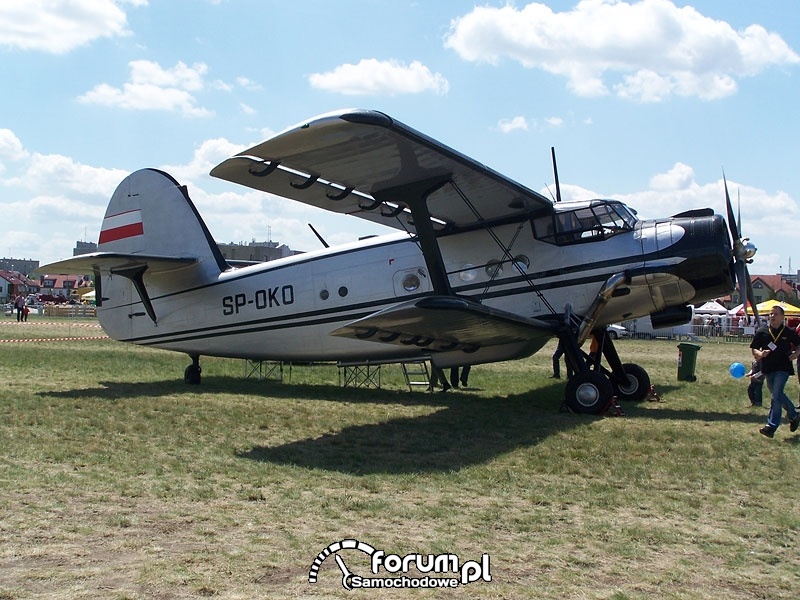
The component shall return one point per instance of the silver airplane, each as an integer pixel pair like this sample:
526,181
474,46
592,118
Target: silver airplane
481,268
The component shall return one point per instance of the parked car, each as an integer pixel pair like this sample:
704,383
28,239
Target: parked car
616,331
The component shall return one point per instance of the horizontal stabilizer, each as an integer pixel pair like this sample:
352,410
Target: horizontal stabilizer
114,262
446,323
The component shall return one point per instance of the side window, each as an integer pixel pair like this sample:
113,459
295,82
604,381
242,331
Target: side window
544,229
598,221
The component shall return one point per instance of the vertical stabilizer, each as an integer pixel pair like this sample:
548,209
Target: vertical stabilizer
151,213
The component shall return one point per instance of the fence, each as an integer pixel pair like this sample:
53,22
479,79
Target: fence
68,310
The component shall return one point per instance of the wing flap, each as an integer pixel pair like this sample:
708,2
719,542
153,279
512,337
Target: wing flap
343,161
446,323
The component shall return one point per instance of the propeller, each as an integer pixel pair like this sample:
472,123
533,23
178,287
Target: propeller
743,253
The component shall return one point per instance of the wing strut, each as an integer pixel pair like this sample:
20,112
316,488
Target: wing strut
415,196
506,251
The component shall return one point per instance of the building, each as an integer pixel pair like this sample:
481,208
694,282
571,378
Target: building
13,283
84,248
19,265
255,251
63,286
767,287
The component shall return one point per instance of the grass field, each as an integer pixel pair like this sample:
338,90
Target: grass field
119,481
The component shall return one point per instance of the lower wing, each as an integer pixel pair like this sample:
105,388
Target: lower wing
447,323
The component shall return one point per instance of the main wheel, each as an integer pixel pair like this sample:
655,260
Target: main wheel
588,392
636,386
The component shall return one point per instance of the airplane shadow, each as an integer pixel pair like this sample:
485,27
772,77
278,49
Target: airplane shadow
120,390
462,430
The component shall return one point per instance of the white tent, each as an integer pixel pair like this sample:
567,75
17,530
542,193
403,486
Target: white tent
711,308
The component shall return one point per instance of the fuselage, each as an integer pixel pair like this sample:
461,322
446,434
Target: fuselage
286,309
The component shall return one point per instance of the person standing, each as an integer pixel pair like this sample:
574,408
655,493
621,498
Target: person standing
797,329
19,304
438,378
755,390
777,346
454,378
557,362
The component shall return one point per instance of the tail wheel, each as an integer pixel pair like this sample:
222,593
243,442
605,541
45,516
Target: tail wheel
588,392
192,374
636,385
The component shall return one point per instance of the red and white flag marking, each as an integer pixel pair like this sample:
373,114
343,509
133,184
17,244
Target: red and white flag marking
120,226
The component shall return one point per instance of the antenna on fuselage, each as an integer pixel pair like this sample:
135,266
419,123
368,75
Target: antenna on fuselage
319,237
555,173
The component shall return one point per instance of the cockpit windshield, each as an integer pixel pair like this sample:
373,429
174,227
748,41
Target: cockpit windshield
581,222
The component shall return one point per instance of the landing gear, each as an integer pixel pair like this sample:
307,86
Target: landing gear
636,384
588,392
192,373
593,387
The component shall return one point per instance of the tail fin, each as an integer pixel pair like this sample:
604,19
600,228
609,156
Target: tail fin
152,240
151,213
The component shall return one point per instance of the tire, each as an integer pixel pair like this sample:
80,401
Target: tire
588,392
637,387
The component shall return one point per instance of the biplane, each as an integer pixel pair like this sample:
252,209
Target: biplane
480,268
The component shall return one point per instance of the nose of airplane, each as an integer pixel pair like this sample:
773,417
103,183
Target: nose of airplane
708,263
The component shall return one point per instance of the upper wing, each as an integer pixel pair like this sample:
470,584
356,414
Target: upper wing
361,162
447,323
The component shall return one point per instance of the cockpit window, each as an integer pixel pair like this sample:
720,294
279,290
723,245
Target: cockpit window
597,220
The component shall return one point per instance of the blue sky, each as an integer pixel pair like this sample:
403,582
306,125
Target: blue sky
645,101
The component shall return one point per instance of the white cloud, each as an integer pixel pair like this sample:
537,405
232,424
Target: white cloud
151,87
508,125
11,149
54,174
209,154
646,51
375,77
59,26
680,177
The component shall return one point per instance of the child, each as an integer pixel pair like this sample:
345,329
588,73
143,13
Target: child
755,389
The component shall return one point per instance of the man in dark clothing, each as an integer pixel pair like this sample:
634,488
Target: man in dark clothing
776,346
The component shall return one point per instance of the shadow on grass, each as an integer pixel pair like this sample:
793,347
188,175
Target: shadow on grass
121,390
462,430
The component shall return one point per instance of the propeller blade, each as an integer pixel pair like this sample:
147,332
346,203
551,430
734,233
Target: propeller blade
738,210
741,283
731,218
750,296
